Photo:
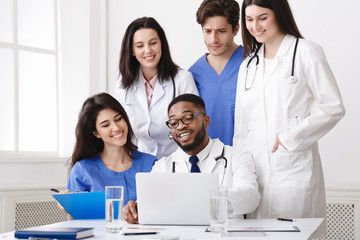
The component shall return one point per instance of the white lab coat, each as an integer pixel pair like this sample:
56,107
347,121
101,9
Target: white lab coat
240,177
147,123
299,112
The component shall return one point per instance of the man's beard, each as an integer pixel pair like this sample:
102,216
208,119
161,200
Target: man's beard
199,138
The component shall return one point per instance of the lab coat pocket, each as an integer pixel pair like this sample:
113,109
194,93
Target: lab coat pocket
292,169
292,183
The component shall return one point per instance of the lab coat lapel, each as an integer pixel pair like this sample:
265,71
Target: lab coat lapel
159,92
282,51
215,152
259,78
181,160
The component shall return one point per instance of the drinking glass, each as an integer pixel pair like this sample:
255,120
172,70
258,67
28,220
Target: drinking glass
218,210
114,201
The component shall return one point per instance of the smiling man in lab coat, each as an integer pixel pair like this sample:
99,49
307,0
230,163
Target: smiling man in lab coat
188,124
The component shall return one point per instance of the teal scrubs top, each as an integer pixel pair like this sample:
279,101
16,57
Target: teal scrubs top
92,175
218,93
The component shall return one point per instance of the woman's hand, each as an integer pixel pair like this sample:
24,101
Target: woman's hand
68,217
130,212
276,145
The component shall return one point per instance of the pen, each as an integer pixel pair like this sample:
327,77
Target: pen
40,238
286,219
54,190
139,233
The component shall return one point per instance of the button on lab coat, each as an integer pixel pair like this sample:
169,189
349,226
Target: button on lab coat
147,123
239,176
299,111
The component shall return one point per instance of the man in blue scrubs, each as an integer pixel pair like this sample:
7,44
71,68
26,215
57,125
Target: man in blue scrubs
216,72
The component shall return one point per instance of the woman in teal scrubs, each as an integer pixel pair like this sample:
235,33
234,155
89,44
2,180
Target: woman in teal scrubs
104,154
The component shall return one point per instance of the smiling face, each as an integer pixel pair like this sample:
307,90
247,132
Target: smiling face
111,127
219,35
192,138
261,23
147,48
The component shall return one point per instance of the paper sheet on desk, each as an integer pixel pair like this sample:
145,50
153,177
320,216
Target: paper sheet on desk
287,228
85,205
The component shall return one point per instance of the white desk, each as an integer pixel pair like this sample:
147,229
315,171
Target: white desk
306,225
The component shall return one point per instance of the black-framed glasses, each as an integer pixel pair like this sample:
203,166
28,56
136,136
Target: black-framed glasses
186,119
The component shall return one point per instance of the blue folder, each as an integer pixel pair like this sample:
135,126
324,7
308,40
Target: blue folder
84,205
46,232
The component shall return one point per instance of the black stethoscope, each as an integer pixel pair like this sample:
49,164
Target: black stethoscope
174,91
256,57
222,156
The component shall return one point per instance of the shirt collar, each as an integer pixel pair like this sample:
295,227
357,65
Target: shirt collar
152,82
203,154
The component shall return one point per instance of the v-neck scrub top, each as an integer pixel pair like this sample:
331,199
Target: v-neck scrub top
218,93
92,175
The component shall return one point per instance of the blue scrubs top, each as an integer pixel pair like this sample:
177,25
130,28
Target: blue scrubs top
92,175
218,93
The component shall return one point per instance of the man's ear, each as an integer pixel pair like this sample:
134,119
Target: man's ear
206,120
236,30
96,134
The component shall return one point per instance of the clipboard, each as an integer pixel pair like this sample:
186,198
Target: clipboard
84,205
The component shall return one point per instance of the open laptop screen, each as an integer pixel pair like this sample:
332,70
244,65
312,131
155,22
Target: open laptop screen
175,198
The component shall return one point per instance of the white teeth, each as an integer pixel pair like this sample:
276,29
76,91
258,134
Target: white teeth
259,33
148,58
117,136
184,134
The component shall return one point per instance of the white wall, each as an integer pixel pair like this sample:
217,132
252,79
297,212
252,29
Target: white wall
332,24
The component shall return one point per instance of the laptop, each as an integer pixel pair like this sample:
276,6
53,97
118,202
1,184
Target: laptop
175,198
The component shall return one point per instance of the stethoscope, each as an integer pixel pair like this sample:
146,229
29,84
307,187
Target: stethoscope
174,91
216,159
256,57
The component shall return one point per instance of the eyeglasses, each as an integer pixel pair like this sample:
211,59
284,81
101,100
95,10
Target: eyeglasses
186,119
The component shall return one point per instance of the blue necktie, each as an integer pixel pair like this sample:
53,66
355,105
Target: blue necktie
194,166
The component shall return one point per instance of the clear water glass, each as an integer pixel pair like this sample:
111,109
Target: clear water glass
114,201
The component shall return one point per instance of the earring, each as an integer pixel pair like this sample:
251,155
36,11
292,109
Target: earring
170,136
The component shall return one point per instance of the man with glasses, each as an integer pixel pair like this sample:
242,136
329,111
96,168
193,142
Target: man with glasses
188,124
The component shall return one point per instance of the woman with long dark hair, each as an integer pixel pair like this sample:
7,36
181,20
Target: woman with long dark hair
148,81
287,99
104,154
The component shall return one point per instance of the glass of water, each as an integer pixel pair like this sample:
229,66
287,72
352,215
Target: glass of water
218,210
114,201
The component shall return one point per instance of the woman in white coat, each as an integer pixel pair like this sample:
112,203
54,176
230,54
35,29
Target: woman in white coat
287,99
148,81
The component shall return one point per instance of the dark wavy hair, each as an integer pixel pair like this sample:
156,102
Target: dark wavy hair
284,19
87,145
227,8
128,65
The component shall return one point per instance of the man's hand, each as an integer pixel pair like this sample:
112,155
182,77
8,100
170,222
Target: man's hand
130,212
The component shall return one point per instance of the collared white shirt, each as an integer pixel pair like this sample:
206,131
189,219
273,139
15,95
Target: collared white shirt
202,156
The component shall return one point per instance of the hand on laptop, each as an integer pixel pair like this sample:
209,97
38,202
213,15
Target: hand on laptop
130,212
